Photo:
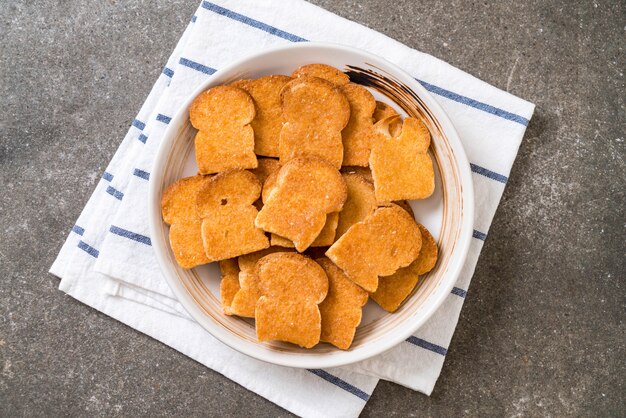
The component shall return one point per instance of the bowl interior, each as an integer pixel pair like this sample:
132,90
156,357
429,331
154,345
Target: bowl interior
445,214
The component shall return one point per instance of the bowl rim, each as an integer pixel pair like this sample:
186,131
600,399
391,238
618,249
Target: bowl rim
346,357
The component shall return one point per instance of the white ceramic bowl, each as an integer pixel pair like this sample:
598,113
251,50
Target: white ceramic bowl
448,214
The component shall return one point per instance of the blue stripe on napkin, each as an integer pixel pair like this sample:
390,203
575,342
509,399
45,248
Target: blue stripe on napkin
141,174
88,249
479,235
340,383
459,292
139,124
474,103
163,118
78,230
427,345
196,66
115,193
130,235
252,22
488,173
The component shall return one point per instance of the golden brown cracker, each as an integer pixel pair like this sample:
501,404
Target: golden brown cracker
322,71
356,136
227,233
292,286
180,212
314,112
360,203
306,190
248,262
267,123
268,185
229,189
265,168
379,245
401,166
325,238
229,285
244,302
225,206
279,241
186,243
428,255
175,203
393,290
342,309
225,139
384,111
229,267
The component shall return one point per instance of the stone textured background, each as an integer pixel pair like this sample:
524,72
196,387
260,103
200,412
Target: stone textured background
542,331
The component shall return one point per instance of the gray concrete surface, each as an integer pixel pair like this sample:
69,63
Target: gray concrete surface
542,332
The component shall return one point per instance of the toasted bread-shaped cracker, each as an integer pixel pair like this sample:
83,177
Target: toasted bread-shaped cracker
229,267
357,134
393,290
267,123
268,185
292,287
180,212
379,245
248,262
326,236
266,167
428,255
360,203
225,140
229,286
322,71
342,309
225,206
244,302
324,239
401,166
314,113
306,190
383,111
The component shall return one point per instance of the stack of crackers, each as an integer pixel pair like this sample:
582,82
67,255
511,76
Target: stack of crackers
301,196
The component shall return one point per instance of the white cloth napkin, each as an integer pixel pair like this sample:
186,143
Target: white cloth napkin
107,261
